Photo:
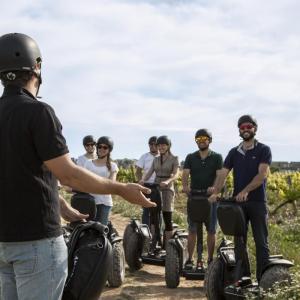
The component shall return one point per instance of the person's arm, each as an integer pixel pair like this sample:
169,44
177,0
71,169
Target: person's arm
139,173
85,181
68,213
185,181
113,173
219,183
263,171
149,174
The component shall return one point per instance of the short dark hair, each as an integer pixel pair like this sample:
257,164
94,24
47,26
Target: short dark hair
18,78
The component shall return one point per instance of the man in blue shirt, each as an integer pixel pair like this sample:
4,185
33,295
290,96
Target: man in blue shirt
250,162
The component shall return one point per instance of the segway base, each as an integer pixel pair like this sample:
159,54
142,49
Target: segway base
153,260
193,275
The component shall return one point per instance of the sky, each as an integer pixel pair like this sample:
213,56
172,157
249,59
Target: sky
134,68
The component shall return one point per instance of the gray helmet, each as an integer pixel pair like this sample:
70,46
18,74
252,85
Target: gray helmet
88,140
204,132
164,139
19,52
247,119
106,140
152,140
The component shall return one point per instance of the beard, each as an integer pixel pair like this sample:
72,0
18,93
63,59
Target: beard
203,148
248,137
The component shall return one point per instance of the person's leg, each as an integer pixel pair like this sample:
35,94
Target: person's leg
192,236
211,233
145,216
8,287
40,268
258,218
104,214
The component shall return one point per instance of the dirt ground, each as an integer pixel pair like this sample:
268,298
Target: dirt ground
149,282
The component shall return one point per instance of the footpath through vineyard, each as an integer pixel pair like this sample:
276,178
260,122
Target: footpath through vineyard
149,282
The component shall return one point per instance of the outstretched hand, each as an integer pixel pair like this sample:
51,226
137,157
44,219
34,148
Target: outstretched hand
133,193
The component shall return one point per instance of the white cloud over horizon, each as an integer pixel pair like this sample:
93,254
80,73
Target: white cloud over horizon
132,69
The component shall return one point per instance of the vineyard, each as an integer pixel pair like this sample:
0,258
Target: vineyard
283,192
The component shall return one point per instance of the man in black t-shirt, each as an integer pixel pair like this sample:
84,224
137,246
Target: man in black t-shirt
250,162
202,168
33,156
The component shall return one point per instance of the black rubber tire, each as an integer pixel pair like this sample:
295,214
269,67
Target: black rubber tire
133,252
116,275
276,273
172,266
213,281
127,233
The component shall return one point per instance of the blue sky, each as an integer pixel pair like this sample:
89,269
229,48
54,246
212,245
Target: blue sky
132,69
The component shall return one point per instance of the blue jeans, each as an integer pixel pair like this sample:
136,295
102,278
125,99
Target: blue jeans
103,212
33,270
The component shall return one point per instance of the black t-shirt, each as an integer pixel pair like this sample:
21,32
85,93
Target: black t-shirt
30,133
203,171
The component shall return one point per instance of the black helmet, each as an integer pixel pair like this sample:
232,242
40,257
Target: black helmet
204,132
88,139
164,140
247,119
152,140
19,52
106,140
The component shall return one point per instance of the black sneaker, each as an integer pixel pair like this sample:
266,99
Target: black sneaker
209,261
189,265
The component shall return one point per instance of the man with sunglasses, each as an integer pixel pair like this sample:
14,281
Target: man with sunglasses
202,167
89,145
250,162
143,165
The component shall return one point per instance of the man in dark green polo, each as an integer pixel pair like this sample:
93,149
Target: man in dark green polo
202,167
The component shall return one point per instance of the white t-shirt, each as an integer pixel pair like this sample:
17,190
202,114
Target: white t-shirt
103,172
82,159
145,163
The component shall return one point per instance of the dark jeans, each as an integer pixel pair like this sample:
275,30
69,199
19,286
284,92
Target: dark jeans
256,213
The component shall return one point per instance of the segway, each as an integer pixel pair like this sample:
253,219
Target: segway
225,276
141,247
85,203
177,254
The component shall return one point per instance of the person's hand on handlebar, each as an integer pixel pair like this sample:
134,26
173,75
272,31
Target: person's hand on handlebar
241,196
210,190
213,198
164,184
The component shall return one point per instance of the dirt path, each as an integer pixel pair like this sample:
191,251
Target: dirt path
149,282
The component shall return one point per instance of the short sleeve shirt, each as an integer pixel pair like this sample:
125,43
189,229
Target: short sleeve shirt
145,163
245,167
164,170
203,171
30,134
103,172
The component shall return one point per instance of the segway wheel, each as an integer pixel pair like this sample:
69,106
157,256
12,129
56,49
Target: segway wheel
277,273
133,251
172,266
116,275
213,281
127,233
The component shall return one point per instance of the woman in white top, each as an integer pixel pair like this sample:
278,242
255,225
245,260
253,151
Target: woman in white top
104,167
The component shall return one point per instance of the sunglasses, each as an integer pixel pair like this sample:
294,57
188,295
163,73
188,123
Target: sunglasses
201,139
90,145
104,147
152,144
246,126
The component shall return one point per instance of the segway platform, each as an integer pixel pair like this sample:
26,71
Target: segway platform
193,274
154,259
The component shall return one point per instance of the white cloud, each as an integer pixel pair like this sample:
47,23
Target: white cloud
131,69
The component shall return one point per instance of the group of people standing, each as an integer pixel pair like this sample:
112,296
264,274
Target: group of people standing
34,156
205,170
